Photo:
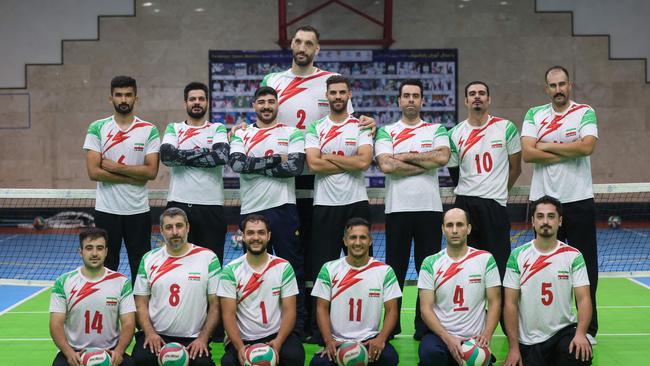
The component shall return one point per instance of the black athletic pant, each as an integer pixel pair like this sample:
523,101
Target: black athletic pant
291,353
579,230
305,206
208,226
144,357
60,360
136,232
285,243
552,352
424,229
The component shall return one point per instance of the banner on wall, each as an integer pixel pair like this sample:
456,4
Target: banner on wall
374,74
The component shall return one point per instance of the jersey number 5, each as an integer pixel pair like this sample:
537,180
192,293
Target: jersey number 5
547,294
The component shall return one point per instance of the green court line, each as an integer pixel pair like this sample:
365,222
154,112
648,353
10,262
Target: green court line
624,316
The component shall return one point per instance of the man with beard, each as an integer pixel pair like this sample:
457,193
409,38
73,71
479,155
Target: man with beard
339,151
196,150
176,295
542,277
258,292
485,163
121,156
558,139
409,152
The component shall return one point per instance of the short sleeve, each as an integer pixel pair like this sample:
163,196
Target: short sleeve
492,278
296,142
391,286
153,142
383,143
528,128
513,141
170,136
512,277
289,285
214,268
579,272
127,303
426,279
440,138
58,303
311,137
237,142
589,124
365,137
453,157
142,281
227,286
220,134
323,285
93,138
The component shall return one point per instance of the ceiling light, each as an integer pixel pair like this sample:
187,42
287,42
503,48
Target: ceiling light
461,6
504,3
199,10
156,10
147,4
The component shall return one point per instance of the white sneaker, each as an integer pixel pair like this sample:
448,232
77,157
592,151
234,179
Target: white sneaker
591,339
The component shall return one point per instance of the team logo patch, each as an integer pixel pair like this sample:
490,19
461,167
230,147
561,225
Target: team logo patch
275,291
111,301
475,278
374,292
138,147
496,144
194,276
571,132
562,275
350,141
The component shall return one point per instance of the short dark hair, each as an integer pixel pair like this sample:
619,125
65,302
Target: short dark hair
337,79
414,82
194,85
556,67
122,81
172,212
307,28
547,200
92,233
255,218
265,90
356,221
467,219
477,82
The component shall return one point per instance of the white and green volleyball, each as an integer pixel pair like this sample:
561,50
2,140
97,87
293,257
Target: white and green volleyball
173,354
473,355
95,357
260,354
351,354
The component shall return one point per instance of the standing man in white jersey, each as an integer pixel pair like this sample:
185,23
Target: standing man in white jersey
196,150
455,285
176,295
269,155
351,293
258,292
541,279
409,152
92,306
558,139
485,163
122,155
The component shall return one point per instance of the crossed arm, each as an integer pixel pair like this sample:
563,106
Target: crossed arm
429,160
551,152
334,164
198,158
107,170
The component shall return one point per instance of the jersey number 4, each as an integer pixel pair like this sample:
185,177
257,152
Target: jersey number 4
459,299
96,323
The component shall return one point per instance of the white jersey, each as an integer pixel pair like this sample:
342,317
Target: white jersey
178,289
343,138
546,282
418,192
92,307
257,191
198,186
357,296
258,294
482,155
459,288
569,180
125,147
301,98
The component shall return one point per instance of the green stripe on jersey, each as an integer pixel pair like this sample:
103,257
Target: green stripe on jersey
126,289
287,274
60,282
153,134
588,118
491,264
311,129
382,135
214,267
228,274
390,278
95,128
221,129
324,275
170,130
452,145
297,135
530,115
429,261
511,131
512,260
235,138
578,263
141,270
441,131
265,81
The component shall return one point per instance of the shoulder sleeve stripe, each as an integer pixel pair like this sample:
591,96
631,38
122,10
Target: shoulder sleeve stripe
588,118
390,277
324,275
287,274
382,134
297,135
153,134
441,131
511,131
578,262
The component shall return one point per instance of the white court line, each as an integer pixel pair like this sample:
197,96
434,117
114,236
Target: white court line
639,283
598,307
23,300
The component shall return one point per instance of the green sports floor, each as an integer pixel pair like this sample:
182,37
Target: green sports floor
623,339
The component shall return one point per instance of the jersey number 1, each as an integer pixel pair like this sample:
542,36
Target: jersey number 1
94,324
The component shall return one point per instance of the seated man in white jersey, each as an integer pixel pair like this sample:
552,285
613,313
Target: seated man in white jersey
351,293
176,295
268,155
455,285
339,151
258,292
541,279
485,162
409,152
121,156
558,138
92,306
195,150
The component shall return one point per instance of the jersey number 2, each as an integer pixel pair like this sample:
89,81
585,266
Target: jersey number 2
95,324
301,115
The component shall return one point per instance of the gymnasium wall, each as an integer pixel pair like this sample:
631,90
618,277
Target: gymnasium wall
508,46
